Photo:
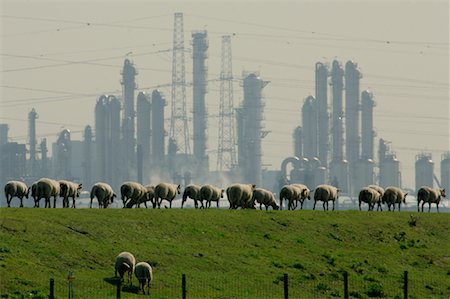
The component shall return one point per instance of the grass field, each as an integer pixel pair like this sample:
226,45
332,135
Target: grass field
225,254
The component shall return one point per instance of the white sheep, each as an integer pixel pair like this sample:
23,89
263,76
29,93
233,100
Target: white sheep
325,193
393,195
69,189
17,189
47,188
290,193
149,196
304,194
125,262
166,191
133,191
430,195
371,197
144,275
241,195
210,193
263,196
378,188
192,191
104,194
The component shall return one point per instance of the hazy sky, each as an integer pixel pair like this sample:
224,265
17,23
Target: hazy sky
59,56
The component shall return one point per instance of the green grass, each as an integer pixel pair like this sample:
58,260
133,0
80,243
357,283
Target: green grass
225,254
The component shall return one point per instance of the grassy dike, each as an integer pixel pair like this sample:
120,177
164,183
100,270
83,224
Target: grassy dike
225,254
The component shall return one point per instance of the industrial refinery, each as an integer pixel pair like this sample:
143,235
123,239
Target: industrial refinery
135,138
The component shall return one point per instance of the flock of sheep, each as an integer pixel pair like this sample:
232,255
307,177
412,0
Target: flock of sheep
245,196
126,263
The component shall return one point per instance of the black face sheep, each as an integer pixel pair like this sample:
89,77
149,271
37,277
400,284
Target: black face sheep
325,193
166,191
125,262
266,198
241,195
430,195
393,195
47,188
371,197
210,193
69,189
304,194
104,194
192,191
132,191
144,275
17,189
290,193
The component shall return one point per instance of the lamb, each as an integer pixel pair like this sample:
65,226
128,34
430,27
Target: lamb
241,195
304,194
143,273
166,191
393,195
47,188
17,189
370,196
325,193
210,193
263,196
192,191
133,191
149,196
430,195
125,262
69,189
104,194
290,193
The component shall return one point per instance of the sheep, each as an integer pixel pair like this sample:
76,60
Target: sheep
289,193
304,194
192,191
104,194
378,188
241,195
166,191
69,189
263,196
393,195
125,262
47,188
149,196
17,189
210,193
34,194
133,191
325,193
370,196
143,273
430,195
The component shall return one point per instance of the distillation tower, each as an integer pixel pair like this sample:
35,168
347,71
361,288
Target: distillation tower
88,146
143,126
322,113
32,116
157,131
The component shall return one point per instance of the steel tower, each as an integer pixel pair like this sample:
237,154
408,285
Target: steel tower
199,55
179,131
226,157
32,116
322,112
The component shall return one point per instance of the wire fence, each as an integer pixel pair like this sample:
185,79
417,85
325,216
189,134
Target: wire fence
334,285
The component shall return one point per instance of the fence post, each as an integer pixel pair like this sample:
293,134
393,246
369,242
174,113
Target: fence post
405,285
286,286
118,285
183,286
346,285
52,289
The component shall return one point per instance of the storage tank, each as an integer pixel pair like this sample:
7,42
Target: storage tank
424,170
445,171
390,171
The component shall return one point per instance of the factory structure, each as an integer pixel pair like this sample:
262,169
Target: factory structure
333,141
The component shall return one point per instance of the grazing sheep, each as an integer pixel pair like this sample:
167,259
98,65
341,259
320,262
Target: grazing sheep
34,194
304,194
263,196
430,195
192,191
325,193
133,191
393,195
149,196
17,189
104,194
69,189
241,195
166,191
210,193
47,188
290,193
125,262
143,273
378,188
371,197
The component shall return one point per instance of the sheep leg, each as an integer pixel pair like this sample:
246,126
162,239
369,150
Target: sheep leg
54,201
429,206
437,206
21,202
333,205
399,206
218,203
314,207
324,205
418,206
360,205
423,203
